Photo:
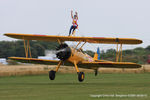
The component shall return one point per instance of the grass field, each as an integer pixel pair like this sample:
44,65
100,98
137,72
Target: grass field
67,87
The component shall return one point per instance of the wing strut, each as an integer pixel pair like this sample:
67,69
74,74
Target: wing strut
27,48
119,53
82,46
78,44
59,41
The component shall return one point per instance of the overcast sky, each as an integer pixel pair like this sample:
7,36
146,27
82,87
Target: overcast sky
99,18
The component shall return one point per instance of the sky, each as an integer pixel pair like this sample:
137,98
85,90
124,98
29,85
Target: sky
97,18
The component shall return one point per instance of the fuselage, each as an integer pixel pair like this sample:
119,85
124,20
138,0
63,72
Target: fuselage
72,54
78,55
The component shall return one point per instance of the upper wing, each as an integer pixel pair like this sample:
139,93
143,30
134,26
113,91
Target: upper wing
70,38
107,64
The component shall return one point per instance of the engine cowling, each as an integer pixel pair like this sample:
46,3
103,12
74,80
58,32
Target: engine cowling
63,52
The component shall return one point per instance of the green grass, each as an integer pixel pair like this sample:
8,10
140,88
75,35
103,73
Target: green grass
67,87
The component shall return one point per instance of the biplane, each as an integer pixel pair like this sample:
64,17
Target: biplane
74,56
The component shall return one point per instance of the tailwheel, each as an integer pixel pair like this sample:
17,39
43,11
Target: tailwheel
52,75
81,76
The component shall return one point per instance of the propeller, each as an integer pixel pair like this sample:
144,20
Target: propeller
63,52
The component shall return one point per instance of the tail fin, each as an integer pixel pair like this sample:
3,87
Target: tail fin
97,54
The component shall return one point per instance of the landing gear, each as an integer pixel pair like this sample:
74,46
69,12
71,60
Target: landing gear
81,76
52,75
96,72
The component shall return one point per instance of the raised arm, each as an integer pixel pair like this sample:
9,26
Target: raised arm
76,14
71,14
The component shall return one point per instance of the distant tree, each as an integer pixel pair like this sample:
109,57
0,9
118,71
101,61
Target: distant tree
148,48
16,48
127,52
40,49
89,52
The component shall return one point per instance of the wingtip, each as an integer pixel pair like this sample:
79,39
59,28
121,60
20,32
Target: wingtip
141,41
5,34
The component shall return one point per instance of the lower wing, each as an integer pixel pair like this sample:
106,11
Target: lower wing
39,61
34,60
107,64
85,64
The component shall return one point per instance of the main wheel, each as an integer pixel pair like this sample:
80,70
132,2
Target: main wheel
81,76
52,75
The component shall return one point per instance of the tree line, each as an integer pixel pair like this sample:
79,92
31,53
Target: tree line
138,55
16,48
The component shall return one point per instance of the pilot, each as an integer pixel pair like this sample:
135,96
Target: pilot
74,23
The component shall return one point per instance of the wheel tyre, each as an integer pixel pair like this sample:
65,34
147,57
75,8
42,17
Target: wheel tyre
52,75
81,76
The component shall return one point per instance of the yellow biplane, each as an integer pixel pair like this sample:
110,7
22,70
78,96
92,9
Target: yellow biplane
74,56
